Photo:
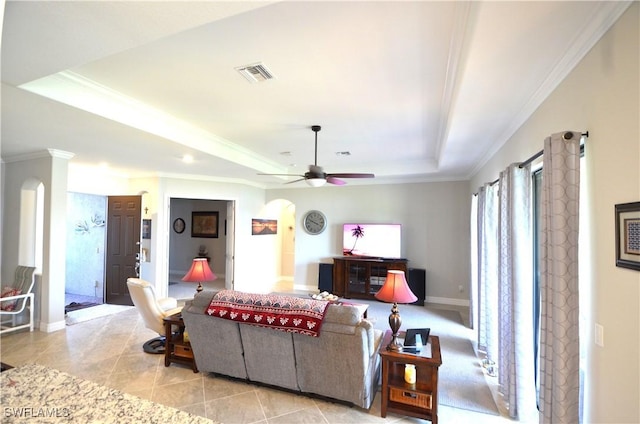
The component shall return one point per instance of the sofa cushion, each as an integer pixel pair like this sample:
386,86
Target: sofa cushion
269,356
218,347
346,314
339,365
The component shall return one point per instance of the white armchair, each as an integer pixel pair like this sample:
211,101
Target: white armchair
152,310
16,298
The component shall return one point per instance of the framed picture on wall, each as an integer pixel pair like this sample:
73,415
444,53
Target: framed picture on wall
204,224
178,225
628,235
263,226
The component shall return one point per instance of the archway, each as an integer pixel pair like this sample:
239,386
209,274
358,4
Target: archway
285,212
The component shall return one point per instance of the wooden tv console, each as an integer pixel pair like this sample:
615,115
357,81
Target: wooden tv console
361,278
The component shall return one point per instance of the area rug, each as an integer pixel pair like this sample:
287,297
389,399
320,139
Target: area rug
34,393
82,315
461,380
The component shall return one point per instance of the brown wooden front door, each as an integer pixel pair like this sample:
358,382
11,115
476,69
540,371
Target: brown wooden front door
123,246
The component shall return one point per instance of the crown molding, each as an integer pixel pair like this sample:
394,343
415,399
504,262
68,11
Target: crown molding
41,154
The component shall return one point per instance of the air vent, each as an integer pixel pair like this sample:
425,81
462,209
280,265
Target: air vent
255,73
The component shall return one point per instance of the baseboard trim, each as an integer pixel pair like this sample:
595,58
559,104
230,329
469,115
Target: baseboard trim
50,328
447,301
310,289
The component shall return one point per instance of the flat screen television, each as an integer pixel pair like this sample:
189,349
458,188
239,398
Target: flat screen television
372,240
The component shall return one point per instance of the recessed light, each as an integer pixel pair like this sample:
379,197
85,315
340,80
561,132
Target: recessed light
187,158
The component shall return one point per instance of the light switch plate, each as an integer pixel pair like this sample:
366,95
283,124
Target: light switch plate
599,335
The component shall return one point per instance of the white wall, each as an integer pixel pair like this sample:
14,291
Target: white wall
602,96
435,228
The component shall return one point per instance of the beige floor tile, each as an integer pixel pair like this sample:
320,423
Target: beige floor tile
221,387
197,409
175,374
336,413
132,381
311,415
146,393
244,408
137,362
276,402
179,395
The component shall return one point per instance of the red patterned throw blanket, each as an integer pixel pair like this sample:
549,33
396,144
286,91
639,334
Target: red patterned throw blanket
284,313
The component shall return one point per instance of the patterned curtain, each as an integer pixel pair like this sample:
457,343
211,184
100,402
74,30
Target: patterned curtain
515,308
488,271
559,328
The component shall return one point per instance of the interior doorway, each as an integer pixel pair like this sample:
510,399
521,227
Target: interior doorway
284,212
187,241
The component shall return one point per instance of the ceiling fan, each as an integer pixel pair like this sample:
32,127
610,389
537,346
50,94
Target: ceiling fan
316,176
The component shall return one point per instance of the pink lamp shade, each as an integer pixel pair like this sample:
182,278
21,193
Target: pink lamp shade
395,289
199,273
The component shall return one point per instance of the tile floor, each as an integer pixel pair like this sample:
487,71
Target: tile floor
108,350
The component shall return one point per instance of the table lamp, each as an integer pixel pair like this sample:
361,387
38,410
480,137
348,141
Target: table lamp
199,273
395,290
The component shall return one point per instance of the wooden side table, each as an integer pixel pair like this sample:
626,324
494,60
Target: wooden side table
420,399
176,349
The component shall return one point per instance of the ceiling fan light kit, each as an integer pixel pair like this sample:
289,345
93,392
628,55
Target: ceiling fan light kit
316,177
316,182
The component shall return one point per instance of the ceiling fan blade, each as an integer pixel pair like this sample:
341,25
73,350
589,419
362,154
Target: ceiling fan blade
283,175
295,181
351,175
332,180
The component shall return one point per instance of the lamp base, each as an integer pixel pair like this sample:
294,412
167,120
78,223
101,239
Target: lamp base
199,289
395,322
394,345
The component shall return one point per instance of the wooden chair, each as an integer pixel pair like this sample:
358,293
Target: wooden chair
15,298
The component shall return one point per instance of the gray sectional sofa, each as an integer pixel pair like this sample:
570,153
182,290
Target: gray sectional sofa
342,363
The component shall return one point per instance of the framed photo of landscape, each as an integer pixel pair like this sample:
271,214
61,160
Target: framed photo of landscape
204,224
628,235
261,227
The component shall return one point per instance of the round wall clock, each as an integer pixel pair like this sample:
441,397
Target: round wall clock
178,225
314,222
